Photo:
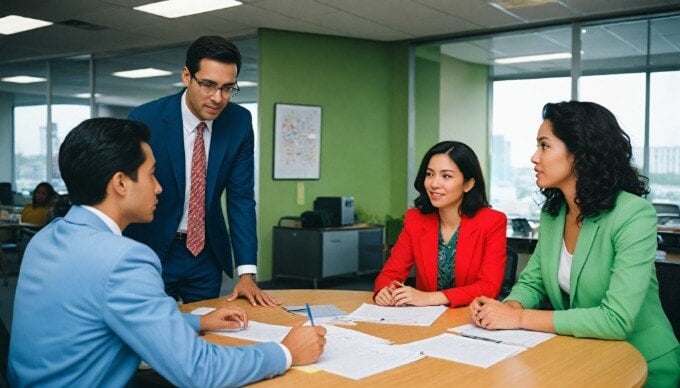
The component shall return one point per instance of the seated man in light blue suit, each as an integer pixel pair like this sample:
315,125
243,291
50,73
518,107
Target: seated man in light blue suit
90,303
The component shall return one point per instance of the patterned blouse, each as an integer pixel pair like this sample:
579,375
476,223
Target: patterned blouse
446,258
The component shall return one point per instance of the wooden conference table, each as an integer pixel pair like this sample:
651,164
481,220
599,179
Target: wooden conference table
560,361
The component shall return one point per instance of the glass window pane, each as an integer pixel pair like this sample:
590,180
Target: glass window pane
664,142
517,106
24,108
607,90
70,104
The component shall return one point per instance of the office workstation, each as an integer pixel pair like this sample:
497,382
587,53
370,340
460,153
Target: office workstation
388,82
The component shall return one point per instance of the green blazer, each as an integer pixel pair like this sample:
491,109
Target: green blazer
614,290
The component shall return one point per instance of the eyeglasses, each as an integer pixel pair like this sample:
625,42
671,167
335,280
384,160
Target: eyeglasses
208,88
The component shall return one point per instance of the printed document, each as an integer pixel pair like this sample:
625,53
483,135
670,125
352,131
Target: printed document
464,350
257,331
407,315
525,338
358,359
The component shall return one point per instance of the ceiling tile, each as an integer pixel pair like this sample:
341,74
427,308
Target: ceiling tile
295,8
477,12
354,26
607,6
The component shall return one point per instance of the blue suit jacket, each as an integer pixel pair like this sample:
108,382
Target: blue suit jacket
230,167
90,303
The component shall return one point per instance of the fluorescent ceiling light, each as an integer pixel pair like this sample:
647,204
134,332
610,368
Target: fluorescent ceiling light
177,8
142,73
246,84
533,58
23,79
178,84
12,24
514,4
86,95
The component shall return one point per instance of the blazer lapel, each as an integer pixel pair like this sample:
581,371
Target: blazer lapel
467,233
174,141
551,247
429,243
581,252
218,148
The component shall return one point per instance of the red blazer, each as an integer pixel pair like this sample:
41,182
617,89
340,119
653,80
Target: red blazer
479,261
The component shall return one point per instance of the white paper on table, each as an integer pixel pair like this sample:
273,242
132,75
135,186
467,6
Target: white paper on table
333,332
358,359
526,338
203,310
407,315
464,350
257,331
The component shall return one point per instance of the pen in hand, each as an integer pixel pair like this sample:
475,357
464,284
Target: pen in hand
309,314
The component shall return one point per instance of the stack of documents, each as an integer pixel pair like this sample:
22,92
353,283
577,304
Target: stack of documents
525,338
464,350
414,316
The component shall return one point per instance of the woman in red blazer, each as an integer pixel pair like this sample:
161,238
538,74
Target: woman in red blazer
454,239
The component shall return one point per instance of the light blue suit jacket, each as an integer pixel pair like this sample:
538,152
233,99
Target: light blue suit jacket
90,305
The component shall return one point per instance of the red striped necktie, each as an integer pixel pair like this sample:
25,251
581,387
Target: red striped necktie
196,221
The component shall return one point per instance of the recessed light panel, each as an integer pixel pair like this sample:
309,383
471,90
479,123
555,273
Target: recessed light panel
142,73
23,79
178,8
12,24
533,58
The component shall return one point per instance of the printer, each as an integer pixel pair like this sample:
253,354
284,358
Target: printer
339,209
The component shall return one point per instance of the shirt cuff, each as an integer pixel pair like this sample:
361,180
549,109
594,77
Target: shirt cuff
246,269
289,357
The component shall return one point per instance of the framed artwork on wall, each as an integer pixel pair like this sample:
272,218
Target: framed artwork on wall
297,141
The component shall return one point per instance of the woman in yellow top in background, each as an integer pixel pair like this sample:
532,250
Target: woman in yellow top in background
36,212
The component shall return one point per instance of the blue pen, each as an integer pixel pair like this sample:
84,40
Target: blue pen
309,314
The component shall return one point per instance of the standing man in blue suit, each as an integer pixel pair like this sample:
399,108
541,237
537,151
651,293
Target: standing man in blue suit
188,231
90,303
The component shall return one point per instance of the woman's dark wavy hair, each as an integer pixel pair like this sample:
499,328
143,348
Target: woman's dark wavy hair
467,162
602,157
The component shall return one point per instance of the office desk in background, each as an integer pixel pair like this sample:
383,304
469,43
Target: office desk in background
561,361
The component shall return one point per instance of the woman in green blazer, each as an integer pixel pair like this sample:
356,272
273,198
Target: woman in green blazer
594,260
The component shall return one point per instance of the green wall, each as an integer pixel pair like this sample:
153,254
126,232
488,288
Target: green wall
427,74
362,88
464,109
6,140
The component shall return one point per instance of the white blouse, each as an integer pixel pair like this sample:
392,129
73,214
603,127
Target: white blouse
564,272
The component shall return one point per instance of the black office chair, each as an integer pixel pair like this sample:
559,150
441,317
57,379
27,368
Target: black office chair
4,355
6,194
666,211
510,272
669,287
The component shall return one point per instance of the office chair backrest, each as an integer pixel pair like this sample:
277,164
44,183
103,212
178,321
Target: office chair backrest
666,209
669,287
510,272
6,194
4,354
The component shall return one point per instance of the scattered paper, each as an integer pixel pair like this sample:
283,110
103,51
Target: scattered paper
203,310
464,350
408,315
525,338
257,331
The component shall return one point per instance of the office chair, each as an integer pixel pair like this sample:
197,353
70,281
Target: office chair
666,211
669,286
510,272
6,194
4,355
